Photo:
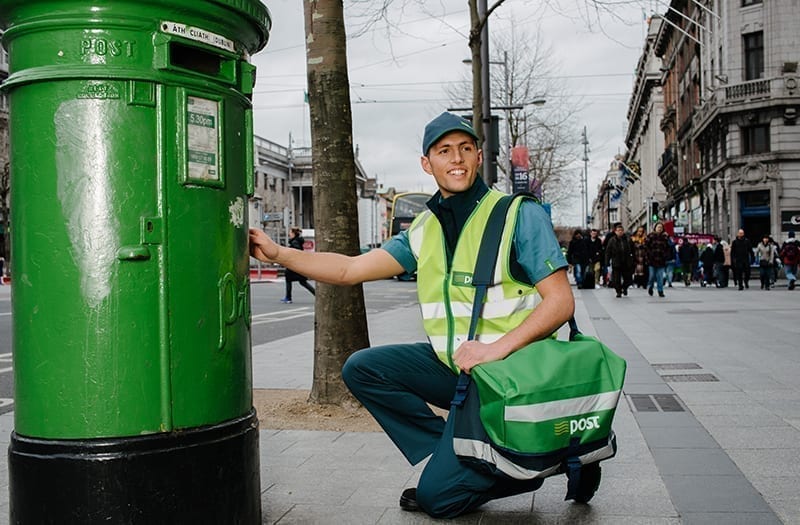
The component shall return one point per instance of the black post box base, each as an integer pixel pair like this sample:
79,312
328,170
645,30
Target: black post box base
195,476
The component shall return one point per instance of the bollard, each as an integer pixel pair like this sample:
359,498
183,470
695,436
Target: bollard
131,149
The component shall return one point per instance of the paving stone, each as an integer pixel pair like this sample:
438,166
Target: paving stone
716,493
694,462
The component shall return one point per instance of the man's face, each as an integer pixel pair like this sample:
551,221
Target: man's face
620,231
593,234
740,234
453,161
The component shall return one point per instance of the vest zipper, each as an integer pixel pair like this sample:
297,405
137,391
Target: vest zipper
450,321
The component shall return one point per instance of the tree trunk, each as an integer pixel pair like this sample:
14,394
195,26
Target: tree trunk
340,325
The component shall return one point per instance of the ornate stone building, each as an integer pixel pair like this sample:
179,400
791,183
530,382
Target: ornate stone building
732,153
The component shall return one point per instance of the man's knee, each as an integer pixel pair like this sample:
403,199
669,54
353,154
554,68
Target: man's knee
355,367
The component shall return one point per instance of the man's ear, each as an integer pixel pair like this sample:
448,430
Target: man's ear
426,165
480,156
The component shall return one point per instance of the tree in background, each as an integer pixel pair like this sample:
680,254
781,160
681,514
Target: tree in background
340,324
550,130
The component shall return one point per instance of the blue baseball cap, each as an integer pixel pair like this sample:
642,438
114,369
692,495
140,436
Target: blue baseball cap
442,125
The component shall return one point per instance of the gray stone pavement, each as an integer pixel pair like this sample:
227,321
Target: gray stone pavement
709,431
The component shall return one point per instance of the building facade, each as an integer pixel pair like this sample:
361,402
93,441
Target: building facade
732,145
644,191
284,198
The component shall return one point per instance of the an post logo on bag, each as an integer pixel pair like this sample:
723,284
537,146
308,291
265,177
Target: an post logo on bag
571,426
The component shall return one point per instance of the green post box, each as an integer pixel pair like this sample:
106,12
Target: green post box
131,163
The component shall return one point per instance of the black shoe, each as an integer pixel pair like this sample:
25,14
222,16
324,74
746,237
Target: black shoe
661,294
625,292
590,482
650,291
619,295
747,285
408,500
791,284
741,287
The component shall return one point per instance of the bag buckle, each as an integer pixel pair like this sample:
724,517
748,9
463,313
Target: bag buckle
461,390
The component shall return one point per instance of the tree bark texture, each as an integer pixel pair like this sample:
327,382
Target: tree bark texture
340,325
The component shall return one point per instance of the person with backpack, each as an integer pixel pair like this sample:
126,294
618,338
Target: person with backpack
790,255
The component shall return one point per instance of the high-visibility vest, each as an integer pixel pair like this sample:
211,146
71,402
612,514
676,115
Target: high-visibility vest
446,294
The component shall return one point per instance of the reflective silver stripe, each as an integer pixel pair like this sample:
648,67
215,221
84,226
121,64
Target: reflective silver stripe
474,448
508,307
562,408
433,310
493,310
415,233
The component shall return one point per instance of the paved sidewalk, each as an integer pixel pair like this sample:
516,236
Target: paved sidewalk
709,435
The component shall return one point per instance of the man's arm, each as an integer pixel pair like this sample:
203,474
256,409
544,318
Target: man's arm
557,306
326,267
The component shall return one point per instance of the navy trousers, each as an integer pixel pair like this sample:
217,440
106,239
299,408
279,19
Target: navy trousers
396,383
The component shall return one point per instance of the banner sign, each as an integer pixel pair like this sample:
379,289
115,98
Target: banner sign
790,220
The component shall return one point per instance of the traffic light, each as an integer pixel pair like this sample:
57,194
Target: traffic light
654,211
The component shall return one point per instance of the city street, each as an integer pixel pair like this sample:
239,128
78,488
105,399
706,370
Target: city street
708,432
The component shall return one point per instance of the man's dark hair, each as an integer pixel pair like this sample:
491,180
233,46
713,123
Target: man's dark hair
617,225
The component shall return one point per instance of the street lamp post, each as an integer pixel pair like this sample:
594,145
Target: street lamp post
585,178
486,103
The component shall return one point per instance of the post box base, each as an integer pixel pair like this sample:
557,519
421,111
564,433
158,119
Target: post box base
200,475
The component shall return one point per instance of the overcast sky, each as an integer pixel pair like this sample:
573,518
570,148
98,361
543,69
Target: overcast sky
397,81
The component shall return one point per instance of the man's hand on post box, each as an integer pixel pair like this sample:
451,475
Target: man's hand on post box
262,247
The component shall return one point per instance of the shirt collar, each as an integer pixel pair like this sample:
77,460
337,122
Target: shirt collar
459,202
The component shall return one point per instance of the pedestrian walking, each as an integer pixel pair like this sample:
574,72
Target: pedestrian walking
689,255
765,255
672,262
640,258
619,255
790,255
741,258
398,383
707,262
776,262
578,256
596,253
291,276
724,272
658,252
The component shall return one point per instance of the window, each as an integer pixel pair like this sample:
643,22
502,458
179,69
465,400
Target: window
750,2
753,55
755,139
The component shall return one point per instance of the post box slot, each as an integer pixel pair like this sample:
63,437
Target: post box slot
200,61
